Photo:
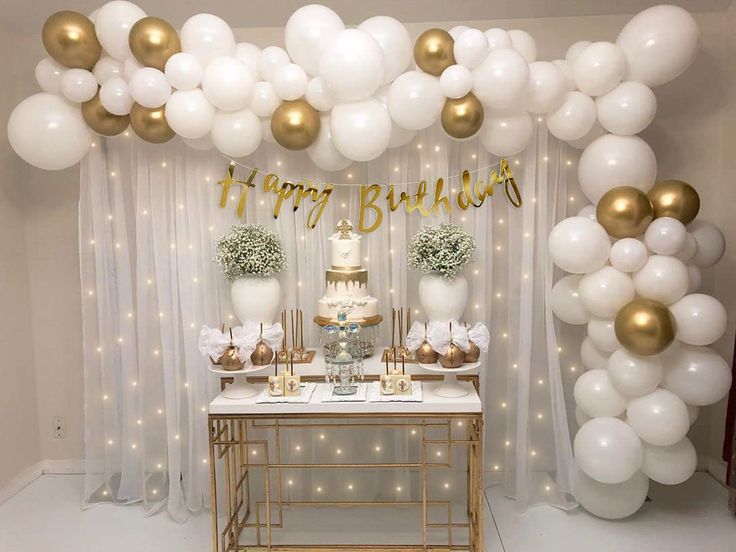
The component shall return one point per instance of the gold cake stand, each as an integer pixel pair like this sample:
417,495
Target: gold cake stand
364,322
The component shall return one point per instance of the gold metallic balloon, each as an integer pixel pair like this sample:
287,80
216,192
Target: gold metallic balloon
426,355
453,358
473,353
153,41
295,125
462,117
433,51
676,199
645,327
230,361
625,212
101,120
69,37
262,355
150,124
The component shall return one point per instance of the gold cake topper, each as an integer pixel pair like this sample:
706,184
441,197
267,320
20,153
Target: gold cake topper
344,226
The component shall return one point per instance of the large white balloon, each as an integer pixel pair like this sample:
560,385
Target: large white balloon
115,96
574,51
581,417
149,87
574,118
48,132
605,291
227,84
400,136
207,37
698,375
506,133
289,81
627,109
603,335
112,25
547,87
660,418
249,54
665,236
415,100
269,60
498,39
361,131
394,40
189,113
688,250
78,85
596,396
309,30
599,68
183,71
236,133
592,358
352,65
695,277
318,95
629,254
701,319
471,48
264,101
612,161
662,278
203,144
633,375
607,449
670,465
579,245
456,81
48,75
711,243
107,68
588,212
566,69
501,80
593,134
323,152
565,300
457,30
616,501
659,44
524,43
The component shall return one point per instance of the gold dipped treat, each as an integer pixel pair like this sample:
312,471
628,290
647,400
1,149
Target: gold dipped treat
425,353
453,358
230,360
473,354
263,353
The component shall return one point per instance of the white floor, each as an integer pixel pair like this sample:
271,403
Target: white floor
689,518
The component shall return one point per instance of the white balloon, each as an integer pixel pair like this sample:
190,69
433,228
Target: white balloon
711,243
581,417
264,101
695,277
593,134
289,82
665,236
236,133
688,250
207,37
318,95
566,69
309,30
579,245
112,25
270,59
589,212
501,79
456,81
660,418
670,465
395,42
93,15
361,131
203,144
323,152
523,43
701,319
612,161
659,44
603,335
48,75
692,412
115,96
189,113
506,133
249,54
610,501
629,255
498,39
149,87
698,375
227,84
78,85
107,68
596,396
574,118
48,132
662,278
605,291
574,51
592,358
471,48
183,71
130,66
565,300
352,65
266,132
547,87
599,68
457,30
607,449
415,100
627,109
400,136
633,375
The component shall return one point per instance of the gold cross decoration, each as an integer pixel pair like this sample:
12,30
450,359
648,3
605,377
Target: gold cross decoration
344,226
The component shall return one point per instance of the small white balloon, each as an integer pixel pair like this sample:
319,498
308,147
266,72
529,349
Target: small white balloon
266,132
115,96
665,236
352,65
574,51
603,335
701,319
471,48
249,54
629,255
579,245
659,418
456,81
149,87
524,43
48,75
318,95
227,84
633,375
189,113
565,300
270,59
670,465
698,375
574,118
113,22
309,30
264,101
323,152
207,37
236,133
662,278
130,66
592,358
395,42
617,501
506,133
289,82
566,69
711,243
498,39
415,100
78,85
589,212
107,68
547,87
607,449
605,291
457,30
361,131
183,71
688,250
692,412
627,109
599,68
501,79
596,395
695,277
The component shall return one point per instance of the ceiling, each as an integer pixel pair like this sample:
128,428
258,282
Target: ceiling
17,15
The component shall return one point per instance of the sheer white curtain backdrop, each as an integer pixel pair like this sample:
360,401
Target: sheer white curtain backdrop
149,220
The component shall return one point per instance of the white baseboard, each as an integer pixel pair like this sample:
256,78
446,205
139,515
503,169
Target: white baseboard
44,467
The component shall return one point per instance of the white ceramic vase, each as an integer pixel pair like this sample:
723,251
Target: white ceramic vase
256,298
442,299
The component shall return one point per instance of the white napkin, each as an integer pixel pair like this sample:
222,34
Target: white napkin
439,336
212,343
480,335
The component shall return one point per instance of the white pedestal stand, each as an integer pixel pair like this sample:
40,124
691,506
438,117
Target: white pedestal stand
450,388
240,388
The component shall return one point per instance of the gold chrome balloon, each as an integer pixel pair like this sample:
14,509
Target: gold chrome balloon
625,212
433,51
69,37
676,199
150,124
153,41
426,355
462,117
453,358
101,120
645,327
295,125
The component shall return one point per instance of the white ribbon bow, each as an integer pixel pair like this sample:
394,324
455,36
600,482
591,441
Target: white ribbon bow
212,343
439,336
415,337
480,335
246,337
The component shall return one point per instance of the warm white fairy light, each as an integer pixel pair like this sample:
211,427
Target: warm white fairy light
113,174
298,448
505,335
181,206
278,163
134,383
156,352
474,156
477,306
398,489
378,448
447,485
503,405
419,146
344,205
413,431
396,169
105,397
159,466
350,486
453,190
163,164
139,422
91,242
176,436
438,453
145,211
514,366
498,294
540,416
99,349
120,339
130,315
496,467
436,148
110,442
366,259
109,217
186,384
319,489
350,175
322,436
460,423
290,482
507,443
155,491
160,411
475,272
133,446
117,245
254,453
540,382
533,453
573,369
426,166
149,282
547,488
559,349
207,178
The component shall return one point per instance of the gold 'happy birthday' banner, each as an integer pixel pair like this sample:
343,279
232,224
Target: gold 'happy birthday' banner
472,194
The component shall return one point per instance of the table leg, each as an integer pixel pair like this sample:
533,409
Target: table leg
213,483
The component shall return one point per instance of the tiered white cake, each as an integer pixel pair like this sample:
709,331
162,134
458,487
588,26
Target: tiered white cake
347,280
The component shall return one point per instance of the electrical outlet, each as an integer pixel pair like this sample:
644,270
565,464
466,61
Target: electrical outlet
59,427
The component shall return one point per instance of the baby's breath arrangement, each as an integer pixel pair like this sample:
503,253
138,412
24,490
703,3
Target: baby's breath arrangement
444,248
250,249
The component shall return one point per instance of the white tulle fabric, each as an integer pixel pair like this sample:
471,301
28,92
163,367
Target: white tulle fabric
441,335
480,335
